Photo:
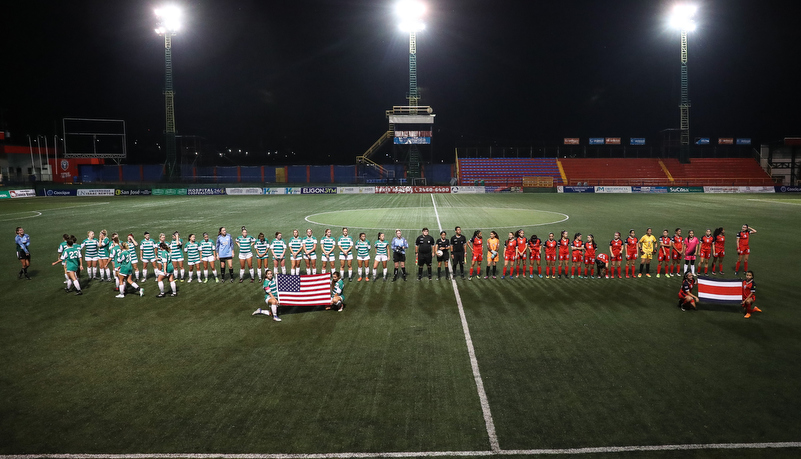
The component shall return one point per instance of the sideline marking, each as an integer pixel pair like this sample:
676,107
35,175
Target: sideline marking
403,454
566,217
777,201
482,394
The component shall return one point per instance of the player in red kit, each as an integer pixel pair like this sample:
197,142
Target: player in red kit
677,244
749,295
477,247
742,247
663,256
589,256
615,254
632,251
706,252
578,255
718,249
550,256
520,253
509,247
534,254
602,262
564,253
686,297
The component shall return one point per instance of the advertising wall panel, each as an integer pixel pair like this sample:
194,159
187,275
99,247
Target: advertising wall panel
96,192
613,189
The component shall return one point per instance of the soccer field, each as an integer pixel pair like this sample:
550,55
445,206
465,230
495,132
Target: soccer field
464,368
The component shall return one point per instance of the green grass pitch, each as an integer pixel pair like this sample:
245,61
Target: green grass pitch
565,363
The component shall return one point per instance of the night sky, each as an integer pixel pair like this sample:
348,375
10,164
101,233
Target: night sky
315,77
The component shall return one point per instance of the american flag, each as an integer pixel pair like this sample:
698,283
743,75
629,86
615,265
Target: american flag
720,290
306,290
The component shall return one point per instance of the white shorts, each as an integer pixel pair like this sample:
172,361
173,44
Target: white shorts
104,258
209,259
349,256
148,260
91,258
364,258
193,263
325,257
245,256
380,258
157,272
178,260
296,257
310,256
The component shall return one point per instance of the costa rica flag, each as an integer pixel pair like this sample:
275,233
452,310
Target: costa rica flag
722,291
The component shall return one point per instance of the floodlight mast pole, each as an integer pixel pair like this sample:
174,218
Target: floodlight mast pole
684,104
413,96
168,26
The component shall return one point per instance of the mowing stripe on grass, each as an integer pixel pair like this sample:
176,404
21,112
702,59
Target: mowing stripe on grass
482,394
777,201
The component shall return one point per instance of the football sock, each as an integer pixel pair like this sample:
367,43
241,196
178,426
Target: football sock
692,268
198,275
745,267
641,266
135,285
172,286
222,270
350,272
108,272
375,272
439,272
274,307
69,283
136,274
648,268
241,273
182,273
446,272
618,272
144,273
419,271
360,270
283,269
396,272
251,273
429,271
77,285
403,270
161,286
494,270
206,274
504,271
471,272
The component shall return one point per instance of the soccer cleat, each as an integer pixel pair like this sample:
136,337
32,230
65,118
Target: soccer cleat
232,279
180,280
494,277
20,275
682,309
359,279
540,275
747,315
531,276
486,277
470,278
756,309
276,318
639,275
79,292
161,295
252,280
502,276
174,294
189,281
256,312
668,275
404,278
429,277
217,280
647,275
658,275
735,273
721,273
141,292
341,307
713,273
67,290
26,277
419,278
560,276
120,296
240,280
367,279
627,276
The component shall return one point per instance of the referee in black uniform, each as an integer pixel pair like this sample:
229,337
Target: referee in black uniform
423,247
458,242
443,244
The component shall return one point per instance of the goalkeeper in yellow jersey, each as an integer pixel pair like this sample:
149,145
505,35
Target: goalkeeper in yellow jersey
647,244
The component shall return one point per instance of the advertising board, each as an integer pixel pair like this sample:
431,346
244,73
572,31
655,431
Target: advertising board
51,192
132,192
175,191
702,141
575,189
685,189
467,190
571,140
613,189
741,141
721,189
4,194
596,140
319,190
244,191
649,189
725,141
757,189
637,141
96,192
411,189
612,140
355,190
22,193
788,189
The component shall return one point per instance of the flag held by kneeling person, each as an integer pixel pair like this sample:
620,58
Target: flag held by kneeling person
304,290
720,291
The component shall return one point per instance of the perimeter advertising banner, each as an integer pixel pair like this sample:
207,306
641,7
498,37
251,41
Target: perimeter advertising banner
172,191
637,141
355,190
613,189
741,141
244,191
202,192
702,141
757,189
411,189
22,193
725,141
4,194
596,140
96,192
612,140
721,189
132,192
412,140
50,192
788,189
571,141
468,190
685,189
319,190
649,189
575,189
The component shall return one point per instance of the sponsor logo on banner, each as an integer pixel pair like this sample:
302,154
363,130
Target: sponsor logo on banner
4,194
612,140
725,141
137,192
393,189
637,140
64,164
292,190
22,193
788,189
170,192
721,189
61,192
244,191
596,140
467,189
702,141
355,190
757,189
275,191
572,141
613,189
205,191
431,189
577,189
741,141
319,190
685,189
412,140
649,189
96,192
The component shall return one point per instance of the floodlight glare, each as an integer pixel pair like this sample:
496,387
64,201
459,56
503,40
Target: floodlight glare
410,13
682,17
169,19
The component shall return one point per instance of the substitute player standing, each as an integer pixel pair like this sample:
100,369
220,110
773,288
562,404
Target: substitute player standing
458,243
647,244
423,248
743,251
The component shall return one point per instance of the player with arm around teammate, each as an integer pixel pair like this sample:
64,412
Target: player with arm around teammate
125,271
363,257
71,257
148,249
103,246
166,270
208,253
270,296
743,249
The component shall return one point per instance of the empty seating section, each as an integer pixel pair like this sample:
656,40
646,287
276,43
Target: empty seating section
614,171
506,171
718,171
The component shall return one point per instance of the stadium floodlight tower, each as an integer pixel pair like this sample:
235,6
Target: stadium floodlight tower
169,23
681,18
410,13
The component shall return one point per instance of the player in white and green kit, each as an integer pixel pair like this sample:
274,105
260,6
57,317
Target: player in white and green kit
363,257
327,246
103,246
132,245
345,244
295,248
114,257
177,255
278,248
192,251
245,244
310,252
381,255
166,270
147,251
337,292
208,252
71,257
126,271
262,247
61,248
270,296
90,247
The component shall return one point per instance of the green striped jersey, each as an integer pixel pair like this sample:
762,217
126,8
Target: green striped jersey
132,249
295,244
270,286
103,247
192,250
90,247
176,249
363,248
345,243
166,260
207,248
381,247
148,248
71,255
62,246
114,253
262,247
309,242
245,244
278,247
124,259
328,243
339,287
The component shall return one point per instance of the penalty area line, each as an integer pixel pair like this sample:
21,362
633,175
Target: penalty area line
471,351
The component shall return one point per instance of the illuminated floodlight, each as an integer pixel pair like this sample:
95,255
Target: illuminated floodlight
682,17
169,19
410,13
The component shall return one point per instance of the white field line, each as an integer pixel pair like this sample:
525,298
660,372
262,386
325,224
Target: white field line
482,394
39,212
404,454
777,201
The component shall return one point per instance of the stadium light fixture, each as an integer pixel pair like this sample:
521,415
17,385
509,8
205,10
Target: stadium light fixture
169,17
410,13
682,17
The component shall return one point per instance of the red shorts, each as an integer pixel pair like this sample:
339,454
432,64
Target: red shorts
743,252
550,257
535,256
631,255
564,256
509,256
663,256
706,253
577,257
683,295
675,255
589,260
616,257
753,299
720,254
520,256
478,256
